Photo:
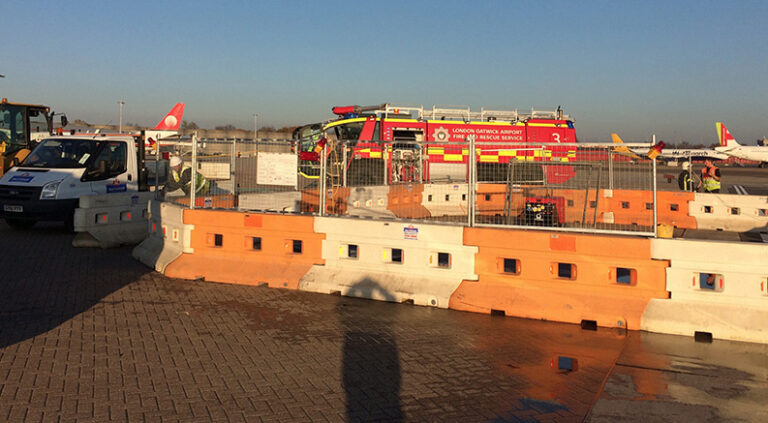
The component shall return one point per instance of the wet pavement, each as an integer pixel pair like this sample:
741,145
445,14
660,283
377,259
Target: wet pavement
92,335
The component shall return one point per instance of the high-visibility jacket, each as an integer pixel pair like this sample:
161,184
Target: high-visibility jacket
708,179
201,184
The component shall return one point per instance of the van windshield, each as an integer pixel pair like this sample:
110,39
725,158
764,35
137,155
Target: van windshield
62,153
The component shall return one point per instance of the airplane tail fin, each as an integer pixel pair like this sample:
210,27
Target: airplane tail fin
622,149
172,120
726,139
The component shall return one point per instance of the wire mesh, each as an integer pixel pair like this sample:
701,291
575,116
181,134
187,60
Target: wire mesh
564,186
569,187
395,180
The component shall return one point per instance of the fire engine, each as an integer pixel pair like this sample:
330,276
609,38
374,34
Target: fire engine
421,144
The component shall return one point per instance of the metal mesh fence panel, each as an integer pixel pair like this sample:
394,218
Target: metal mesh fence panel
566,187
237,174
395,180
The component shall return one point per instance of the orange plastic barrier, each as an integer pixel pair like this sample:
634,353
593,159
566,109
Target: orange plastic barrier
335,202
561,277
627,206
248,248
405,201
209,201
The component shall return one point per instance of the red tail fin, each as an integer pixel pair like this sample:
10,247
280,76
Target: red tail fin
172,120
726,139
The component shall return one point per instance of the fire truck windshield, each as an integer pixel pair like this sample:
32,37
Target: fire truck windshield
349,131
311,132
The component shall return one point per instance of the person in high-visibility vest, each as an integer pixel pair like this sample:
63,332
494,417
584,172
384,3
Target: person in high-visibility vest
181,178
710,177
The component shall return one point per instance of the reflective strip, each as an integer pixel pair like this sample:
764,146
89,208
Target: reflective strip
343,121
489,159
453,157
435,151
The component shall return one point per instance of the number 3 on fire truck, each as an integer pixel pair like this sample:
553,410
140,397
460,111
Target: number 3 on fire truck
556,136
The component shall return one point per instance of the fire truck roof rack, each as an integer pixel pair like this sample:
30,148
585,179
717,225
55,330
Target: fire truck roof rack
464,113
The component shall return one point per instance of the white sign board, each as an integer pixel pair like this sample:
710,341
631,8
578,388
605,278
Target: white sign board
277,169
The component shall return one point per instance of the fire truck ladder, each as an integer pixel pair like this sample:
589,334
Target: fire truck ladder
463,113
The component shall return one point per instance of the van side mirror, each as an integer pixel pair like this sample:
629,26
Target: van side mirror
16,161
64,121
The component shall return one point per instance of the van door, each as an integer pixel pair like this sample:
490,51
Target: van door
116,177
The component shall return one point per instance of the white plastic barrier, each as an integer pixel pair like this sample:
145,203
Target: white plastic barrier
391,261
368,202
111,220
730,212
272,201
716,287
168,236
445,199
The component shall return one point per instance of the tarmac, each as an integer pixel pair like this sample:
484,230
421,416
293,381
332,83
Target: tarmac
93,335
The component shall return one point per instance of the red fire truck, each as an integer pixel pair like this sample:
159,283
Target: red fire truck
417,144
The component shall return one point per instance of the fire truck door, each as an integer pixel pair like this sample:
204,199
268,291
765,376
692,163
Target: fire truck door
368,129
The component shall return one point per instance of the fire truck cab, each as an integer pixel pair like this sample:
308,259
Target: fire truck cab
419,144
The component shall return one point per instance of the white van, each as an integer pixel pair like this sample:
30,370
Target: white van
48,184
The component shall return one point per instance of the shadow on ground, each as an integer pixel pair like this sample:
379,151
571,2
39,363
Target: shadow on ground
44,281
371,361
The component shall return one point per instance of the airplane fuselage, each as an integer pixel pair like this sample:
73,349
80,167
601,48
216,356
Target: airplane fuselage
757,154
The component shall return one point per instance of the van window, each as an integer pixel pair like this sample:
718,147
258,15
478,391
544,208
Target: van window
115,154
63,153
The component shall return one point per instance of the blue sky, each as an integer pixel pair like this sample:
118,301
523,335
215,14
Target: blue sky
635,67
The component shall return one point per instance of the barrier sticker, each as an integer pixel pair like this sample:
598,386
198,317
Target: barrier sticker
116,188
411,232
24,178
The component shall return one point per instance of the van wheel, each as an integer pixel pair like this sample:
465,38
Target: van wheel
20,223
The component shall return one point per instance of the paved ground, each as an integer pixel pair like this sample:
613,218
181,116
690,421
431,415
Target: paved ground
92,335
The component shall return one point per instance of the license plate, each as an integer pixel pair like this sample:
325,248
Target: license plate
13,209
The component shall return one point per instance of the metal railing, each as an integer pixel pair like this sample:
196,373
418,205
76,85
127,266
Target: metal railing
563,187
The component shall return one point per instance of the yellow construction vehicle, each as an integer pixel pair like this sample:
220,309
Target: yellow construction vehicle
21,127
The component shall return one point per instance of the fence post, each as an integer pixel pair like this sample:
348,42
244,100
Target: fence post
384,157
232,170
472,182
655,203
344,163
193,174
157,168
321,182
610,170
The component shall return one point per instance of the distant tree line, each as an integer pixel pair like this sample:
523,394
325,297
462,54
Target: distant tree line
191,125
